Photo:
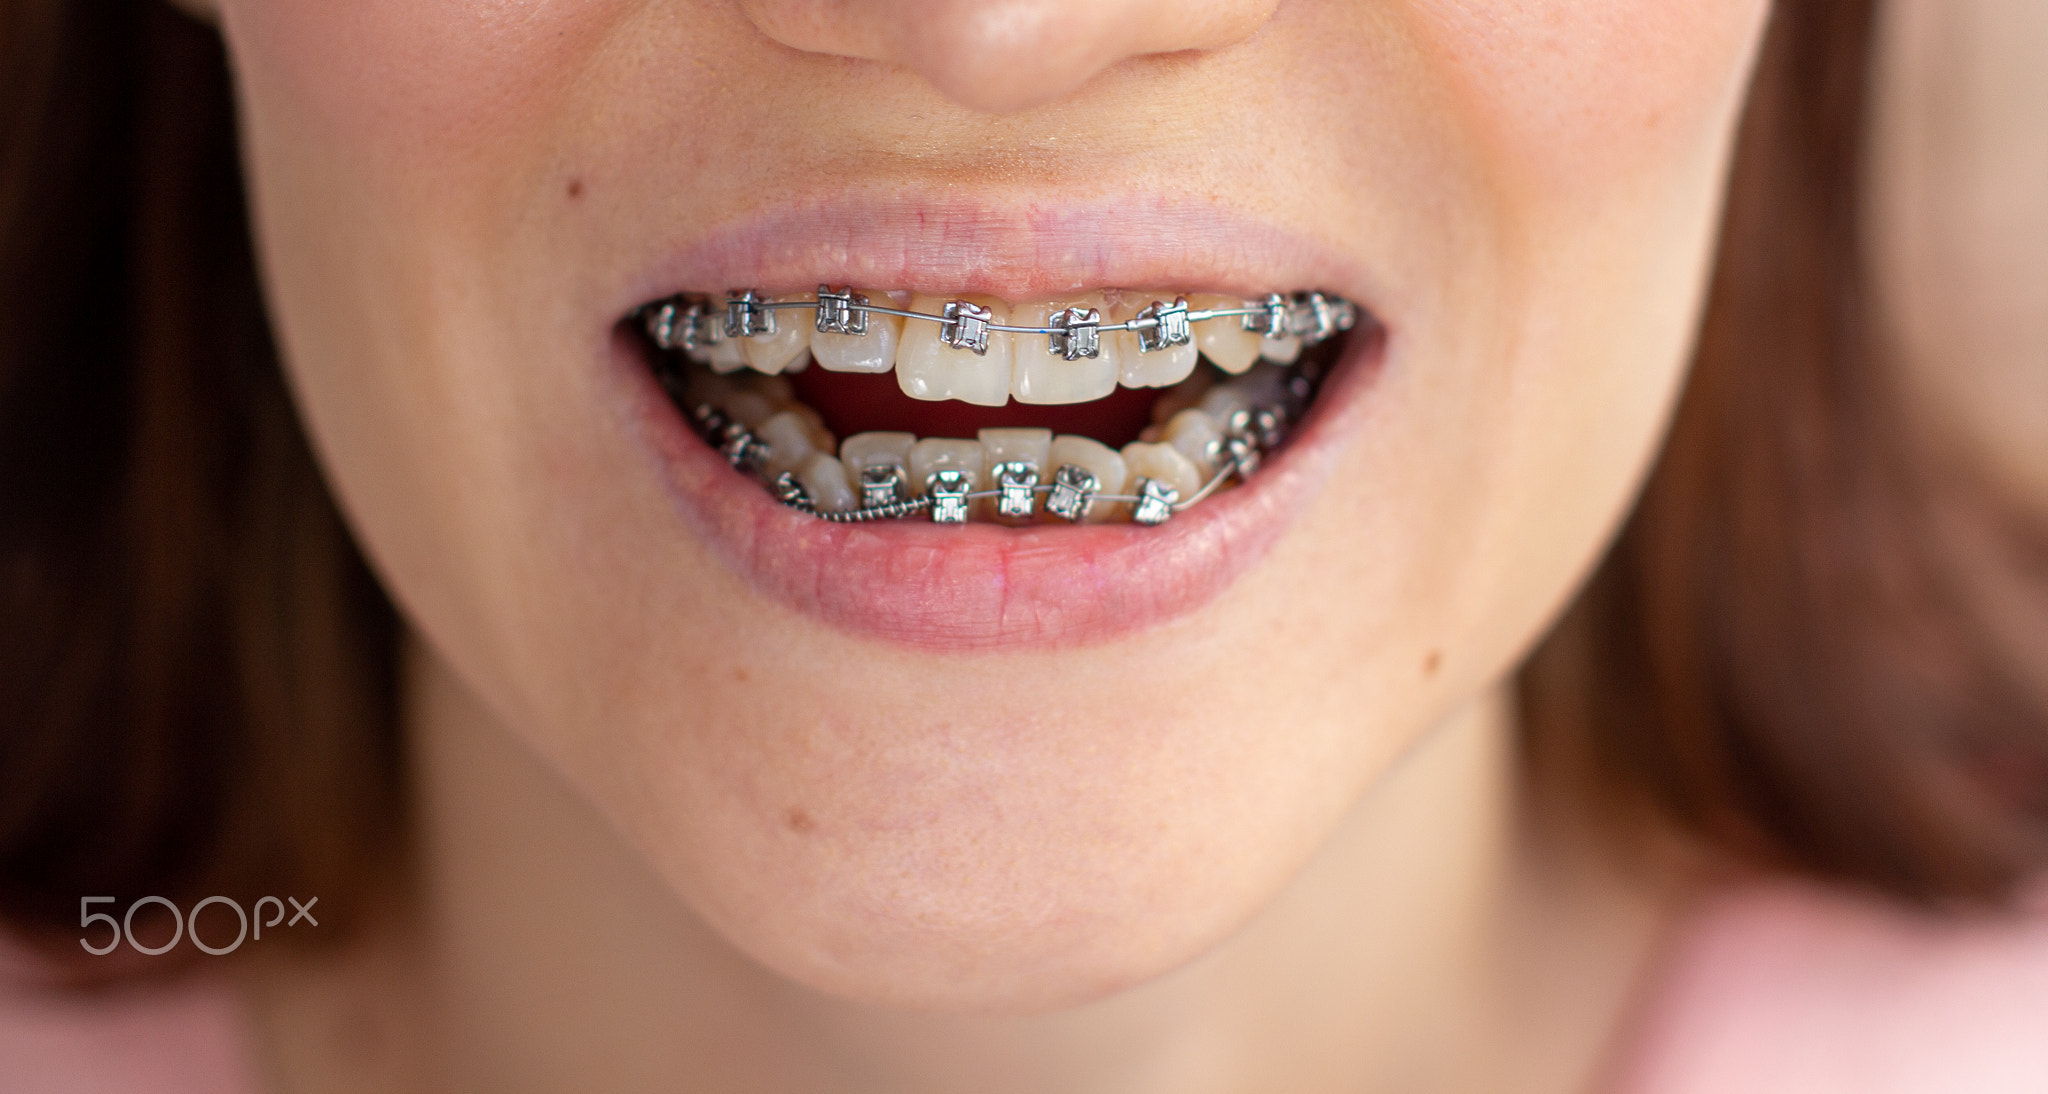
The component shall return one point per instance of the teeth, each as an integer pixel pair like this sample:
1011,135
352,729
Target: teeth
1283,351
874,351
1097,459
724,356
864,450
1203,422
1181,396
1223,401
790,441
1026,446
1016,446
1227,343
1043,375
1265,385
1029,368
825,480
748,407
935,454
771,353
928,368
1164,463
1196,435
1163,367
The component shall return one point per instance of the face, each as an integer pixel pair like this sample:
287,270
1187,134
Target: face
987,766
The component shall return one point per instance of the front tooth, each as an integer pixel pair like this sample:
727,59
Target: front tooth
1159,368
825,480
1097,459
1042,375
874,351
771,353
1163,462
1224,340
1016,446
789,439
927,368
934,454
1198,437
1028,446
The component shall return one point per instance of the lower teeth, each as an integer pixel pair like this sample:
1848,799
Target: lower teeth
1209,433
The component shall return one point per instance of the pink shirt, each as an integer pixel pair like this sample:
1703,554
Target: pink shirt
1797,989
1771,990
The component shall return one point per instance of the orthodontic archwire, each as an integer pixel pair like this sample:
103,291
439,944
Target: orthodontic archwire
682,323
685,322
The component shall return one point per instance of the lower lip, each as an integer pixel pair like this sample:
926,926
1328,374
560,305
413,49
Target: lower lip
987,587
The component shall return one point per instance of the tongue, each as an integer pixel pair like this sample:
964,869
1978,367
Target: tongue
854,402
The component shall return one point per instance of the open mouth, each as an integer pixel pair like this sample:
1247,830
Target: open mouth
1114,406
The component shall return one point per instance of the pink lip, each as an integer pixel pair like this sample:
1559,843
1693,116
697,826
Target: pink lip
986,587
1013,246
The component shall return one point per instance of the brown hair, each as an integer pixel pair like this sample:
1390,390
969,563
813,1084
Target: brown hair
197,672
196,669
1788,649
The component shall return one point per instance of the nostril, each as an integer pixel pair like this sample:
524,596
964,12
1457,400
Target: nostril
1003,56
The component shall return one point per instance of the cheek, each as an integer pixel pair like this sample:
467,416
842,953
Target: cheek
430,85
1576,93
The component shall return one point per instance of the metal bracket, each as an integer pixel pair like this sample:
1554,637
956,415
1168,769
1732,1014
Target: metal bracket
788,491
1270,321
1155,502
1073,492
1077,333
746,317
965,326
948,493
842,312
661,322
881,486
1169,325
1017,482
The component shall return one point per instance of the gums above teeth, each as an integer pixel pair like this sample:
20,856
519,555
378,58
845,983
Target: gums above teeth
1210,427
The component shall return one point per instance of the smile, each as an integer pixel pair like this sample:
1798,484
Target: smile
1218,382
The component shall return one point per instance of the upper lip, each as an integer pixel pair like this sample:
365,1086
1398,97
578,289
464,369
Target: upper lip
1017,247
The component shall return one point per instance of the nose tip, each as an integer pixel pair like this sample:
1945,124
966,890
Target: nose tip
1004,56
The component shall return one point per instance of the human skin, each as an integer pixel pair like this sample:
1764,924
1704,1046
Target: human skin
457,201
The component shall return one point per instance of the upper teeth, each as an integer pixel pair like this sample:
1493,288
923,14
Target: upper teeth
981,350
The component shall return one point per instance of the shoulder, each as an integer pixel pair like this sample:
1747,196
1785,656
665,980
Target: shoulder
181,1038
1793,988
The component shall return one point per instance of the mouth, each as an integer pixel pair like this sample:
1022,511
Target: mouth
1101,407
856,476
900,487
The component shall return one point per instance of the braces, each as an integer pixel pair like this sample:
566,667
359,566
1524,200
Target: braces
690,322
1248,436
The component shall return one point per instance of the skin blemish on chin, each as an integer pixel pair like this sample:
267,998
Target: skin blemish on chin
799,821
739,674
1433,662
575,189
